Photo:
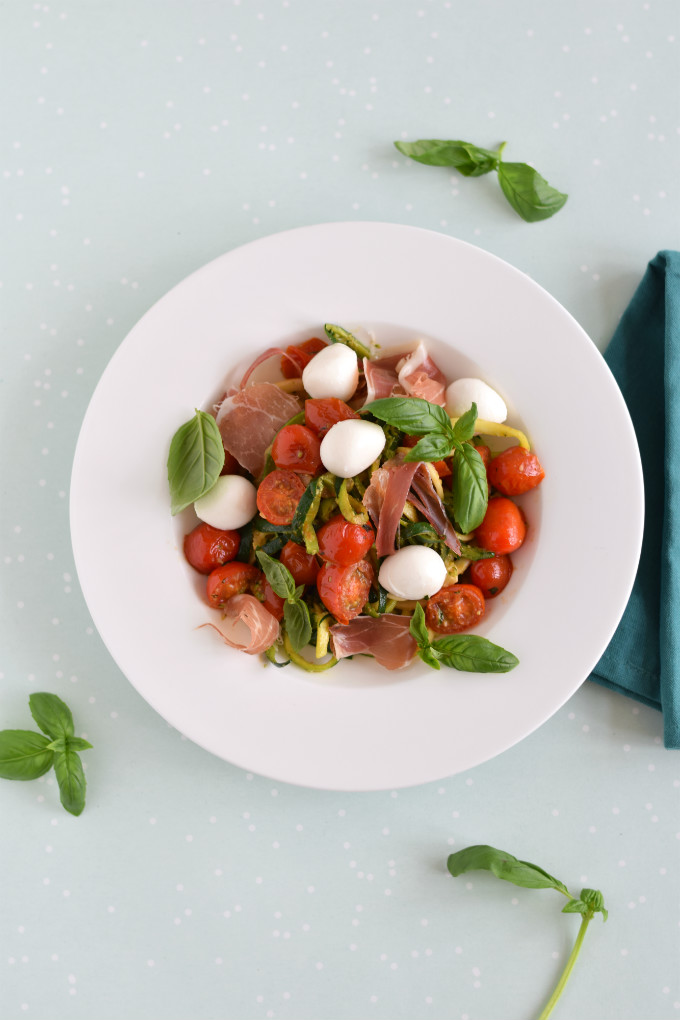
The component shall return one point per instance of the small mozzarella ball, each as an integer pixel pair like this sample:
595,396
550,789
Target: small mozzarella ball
333,372
350,446
414,572
230,504
462,393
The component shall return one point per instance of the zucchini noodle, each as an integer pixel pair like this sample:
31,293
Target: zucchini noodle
492,428
299,660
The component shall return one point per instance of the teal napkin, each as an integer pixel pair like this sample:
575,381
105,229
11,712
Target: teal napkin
643,658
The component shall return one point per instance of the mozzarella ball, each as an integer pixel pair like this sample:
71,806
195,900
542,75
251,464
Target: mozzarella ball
350,446
230,504
462,393
333,372
414,572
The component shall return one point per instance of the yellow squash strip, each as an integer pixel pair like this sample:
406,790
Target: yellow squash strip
436,480
410,512
299,660
322,637
290,385
492,428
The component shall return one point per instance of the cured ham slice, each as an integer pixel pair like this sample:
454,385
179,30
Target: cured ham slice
426,500
384,500
249,419
381,377
265,356
420,377
387,638
264,629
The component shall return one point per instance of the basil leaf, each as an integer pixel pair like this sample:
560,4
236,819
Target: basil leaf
594,902
470,490
503,865
429,657
433,446
473,654
410,414
575,907
418,628
78,744
464,429
338,335
298,624
528,193
24,754
51,714
278,575
467,159
71,778
474,552
195,460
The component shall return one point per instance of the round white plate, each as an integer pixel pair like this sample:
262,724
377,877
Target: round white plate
358,727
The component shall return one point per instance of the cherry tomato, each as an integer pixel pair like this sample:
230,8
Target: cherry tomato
232,579
272,602
484,452
303,566
344,543
515,471
322,413
344,590
298,356
297,447
456,608
278,496
503,528
206,547
491,576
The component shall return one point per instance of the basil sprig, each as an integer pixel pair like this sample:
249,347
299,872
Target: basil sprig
469,653
295,612
529,876
195,460
440,439
528,193
26,755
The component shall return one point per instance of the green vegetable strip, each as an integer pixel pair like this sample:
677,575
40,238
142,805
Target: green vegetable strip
338,335
307,529
299,660
347,506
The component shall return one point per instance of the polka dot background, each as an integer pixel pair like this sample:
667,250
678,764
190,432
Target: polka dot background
140,141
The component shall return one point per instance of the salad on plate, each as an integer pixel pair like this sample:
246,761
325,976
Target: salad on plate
354,506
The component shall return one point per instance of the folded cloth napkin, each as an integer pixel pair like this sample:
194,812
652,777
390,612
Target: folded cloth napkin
643,658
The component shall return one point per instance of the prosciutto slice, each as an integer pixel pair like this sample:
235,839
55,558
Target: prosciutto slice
264,629
420,377
425,498
265,356
381,377
387,638
249,419
384,500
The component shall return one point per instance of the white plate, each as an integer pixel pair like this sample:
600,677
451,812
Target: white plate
359,727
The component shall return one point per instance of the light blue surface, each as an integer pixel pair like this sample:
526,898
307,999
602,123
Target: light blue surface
141,140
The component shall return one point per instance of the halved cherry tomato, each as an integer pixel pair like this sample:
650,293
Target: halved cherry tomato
206,547
456,608
344,543
320,414
490,576
515,471
303,566
297,447
272,602
503,529
298,356
232,579
344,590
278,496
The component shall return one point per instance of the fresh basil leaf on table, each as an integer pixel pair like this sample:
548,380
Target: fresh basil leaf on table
24,754
466,158
71,778
528,193
52,715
